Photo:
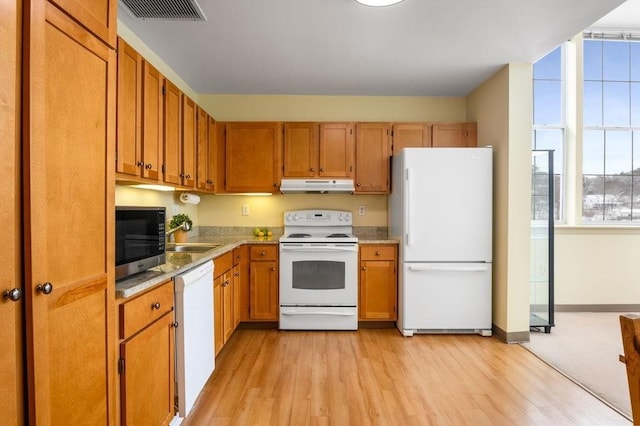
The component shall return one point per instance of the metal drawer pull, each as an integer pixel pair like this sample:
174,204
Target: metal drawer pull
155,305
45,288
14,294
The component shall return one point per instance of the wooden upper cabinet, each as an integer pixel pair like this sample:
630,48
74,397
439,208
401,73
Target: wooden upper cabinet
202,148
70,311
253,153
152,122
372,158
212,159
411,135
337,150
220,175
129,115
172,159
96,16
300,152
454,135
188,170
206,152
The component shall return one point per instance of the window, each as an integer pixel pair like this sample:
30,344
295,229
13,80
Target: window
548,120
611,142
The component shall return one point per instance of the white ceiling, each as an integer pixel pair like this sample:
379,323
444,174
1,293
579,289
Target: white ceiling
339,47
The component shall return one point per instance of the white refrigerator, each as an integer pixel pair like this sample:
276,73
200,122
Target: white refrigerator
440,209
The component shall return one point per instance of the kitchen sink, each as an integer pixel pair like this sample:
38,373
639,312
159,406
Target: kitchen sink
190,247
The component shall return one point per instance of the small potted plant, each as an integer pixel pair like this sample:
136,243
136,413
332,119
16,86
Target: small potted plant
179,221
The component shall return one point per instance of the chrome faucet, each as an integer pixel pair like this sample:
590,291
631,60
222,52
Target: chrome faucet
185,227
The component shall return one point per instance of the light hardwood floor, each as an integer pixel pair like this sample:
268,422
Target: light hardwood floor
378,377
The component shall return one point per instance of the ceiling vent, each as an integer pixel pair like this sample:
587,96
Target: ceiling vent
181,10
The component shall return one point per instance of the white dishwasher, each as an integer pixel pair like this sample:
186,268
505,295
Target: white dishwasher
195,359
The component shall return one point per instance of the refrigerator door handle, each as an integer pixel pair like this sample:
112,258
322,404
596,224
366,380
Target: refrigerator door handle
407,219
447,268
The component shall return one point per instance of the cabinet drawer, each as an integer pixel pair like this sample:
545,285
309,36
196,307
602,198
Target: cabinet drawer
222,264
143,310
377,252
264,252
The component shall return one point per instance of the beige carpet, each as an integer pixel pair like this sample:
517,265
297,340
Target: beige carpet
585,346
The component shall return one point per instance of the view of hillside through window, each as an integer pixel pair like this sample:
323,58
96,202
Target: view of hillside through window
611,143
548,133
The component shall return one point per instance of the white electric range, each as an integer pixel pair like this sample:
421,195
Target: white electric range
318,271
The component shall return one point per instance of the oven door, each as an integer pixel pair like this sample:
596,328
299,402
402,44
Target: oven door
318,274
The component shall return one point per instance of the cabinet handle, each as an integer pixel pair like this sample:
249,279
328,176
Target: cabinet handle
364,268
14,294
276,185
155,305
377,253
263,253
181,175
313,169
174,324
273,269
148,166
188,176
45,288
358,185
209,181
237,274
322,169
140,163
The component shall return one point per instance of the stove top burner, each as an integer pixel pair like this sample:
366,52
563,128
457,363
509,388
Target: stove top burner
337,236
299,235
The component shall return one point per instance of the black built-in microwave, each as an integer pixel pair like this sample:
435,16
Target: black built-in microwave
140,237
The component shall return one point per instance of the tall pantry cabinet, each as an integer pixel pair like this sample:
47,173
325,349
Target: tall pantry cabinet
11,288
68,142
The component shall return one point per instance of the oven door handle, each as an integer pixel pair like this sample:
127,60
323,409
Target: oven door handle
334,313
317,249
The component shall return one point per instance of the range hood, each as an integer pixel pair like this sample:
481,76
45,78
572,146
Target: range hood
316,186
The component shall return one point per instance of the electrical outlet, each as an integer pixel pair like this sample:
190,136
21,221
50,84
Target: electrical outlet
245,210
362,210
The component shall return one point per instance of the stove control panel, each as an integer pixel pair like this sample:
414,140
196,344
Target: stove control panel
318,218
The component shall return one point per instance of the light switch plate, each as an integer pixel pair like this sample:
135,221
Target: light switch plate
362,210
245,210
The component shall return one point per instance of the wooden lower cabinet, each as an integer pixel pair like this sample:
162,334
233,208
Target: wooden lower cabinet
263,282
226,300
146,365
378,283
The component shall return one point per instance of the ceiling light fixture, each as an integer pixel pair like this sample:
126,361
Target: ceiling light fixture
378,3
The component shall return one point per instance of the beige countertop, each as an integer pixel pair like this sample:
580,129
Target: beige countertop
178,262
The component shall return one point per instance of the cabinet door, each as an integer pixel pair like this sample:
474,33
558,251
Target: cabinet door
235,280
377,290
227,305
372,158
263,303
241,265
172,133
220,177
253,152
411,135
98,16
71,137
202,151
378,283
454,135
300,152
188,171
212,160
336,150
147,382
11,355
129,134
218,329
152,121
